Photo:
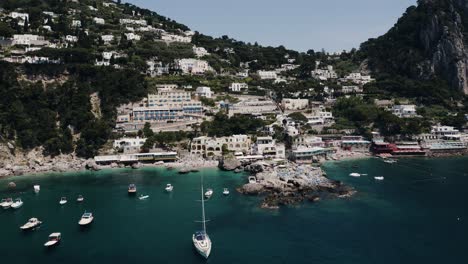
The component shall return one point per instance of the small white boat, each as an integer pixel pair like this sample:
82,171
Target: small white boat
54,239
379,178
86,219
132,189
17,204
37,188
63,200
31,224
252,179
143,197
169,187
226,191
390,161
208,193
80,198
355,174
7,203
3,202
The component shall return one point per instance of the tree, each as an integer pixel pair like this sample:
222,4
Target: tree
147,131
298,117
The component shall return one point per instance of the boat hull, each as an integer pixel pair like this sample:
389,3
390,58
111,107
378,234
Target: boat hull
203,250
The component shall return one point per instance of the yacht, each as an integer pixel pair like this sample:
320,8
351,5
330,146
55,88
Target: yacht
54,239
17,204
169,187
80,198
132,189
63,200
355,174
37,188
208,193
379,178
86,219
226,191
201,240
7,204
31,224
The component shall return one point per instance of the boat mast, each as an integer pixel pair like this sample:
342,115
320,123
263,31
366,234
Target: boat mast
203,206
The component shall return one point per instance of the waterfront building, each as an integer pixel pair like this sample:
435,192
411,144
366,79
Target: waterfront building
308,141
446,132
135,158
129,145
355,143
308,154
267,147
212,146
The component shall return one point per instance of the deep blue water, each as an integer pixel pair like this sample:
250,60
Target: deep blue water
418,214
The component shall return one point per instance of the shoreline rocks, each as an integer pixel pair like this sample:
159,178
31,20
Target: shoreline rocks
229,163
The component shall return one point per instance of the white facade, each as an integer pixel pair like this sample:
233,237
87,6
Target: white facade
404,111
70,38
176,38
238,87
200,51
447,132
28,39
294,104
204,91
132,36
267,147
140,22
351,89
22,17
107,38
193,66
359,78
76,23
324,74
208,146
99,21
129,145
267,75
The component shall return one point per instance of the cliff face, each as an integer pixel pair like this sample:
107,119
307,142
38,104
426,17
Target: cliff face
429,41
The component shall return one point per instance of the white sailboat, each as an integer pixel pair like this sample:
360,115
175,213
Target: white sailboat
201,240
37,188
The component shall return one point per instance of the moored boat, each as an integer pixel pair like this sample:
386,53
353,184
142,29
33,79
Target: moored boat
208,193
201,240
7,203
17,204
226,191
54,239
31,224
169,187
355,174
379,178
86,219
132,189
80,198
63,200
37,188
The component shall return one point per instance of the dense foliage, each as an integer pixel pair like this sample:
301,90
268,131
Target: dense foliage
222,125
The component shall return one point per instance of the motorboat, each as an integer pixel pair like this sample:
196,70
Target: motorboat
132,189
379,178
63,200
80,198
355,174
31,224
226,191
2,202
208,193
169,187
252,179
37,188
390,161
86,219
17,204
7,204
54,239
201,240
143,197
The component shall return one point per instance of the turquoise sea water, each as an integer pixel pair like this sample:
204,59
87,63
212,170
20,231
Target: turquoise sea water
418,214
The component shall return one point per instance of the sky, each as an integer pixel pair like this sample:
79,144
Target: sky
333,25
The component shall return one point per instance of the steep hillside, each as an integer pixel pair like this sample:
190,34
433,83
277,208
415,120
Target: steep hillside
428,42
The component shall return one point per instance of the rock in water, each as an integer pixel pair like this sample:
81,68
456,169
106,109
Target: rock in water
11,185
135,166
229,163
90,164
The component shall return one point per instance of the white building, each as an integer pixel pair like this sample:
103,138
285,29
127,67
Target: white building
129,145
70,38
166,87
200,51
156,68
132,36
193,66
324,74
76,23
99,21
107,38
204,91
267,147
359,78
267,75
208,146
238,87
125,21
351,89
29,39
320,118
446,132
404,111
294,104
22,17
175,38
308,141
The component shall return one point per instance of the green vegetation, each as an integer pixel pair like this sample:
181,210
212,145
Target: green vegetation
222,125
298,117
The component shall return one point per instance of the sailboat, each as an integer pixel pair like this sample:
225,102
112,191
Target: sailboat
201,240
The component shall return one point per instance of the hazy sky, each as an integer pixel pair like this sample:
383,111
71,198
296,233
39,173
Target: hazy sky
297,24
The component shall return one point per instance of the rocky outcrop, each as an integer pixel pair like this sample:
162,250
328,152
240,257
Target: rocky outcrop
229,163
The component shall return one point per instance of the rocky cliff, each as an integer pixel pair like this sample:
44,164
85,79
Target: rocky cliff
429,41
